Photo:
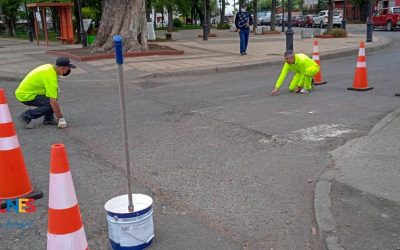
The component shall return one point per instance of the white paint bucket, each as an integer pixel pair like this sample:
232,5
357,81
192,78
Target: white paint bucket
130,230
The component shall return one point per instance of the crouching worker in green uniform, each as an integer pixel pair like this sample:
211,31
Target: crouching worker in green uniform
304,68
40,89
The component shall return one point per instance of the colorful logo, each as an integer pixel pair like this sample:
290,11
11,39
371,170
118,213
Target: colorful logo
20,205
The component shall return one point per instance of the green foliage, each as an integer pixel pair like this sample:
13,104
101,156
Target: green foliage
184,27
177,22
223,26
10,8
89,12
337,33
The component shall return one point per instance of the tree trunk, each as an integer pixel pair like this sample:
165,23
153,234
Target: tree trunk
254,15
222,13
208,16
170,18
78,22
148,10
126,18
10,27
330,16
273,13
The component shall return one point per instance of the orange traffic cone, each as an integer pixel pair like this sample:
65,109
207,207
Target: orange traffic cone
14,179
360,78
65,228
315,56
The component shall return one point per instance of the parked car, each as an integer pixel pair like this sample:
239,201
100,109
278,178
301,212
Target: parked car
297,20
264,20
279,21
307,21
321,20
387,18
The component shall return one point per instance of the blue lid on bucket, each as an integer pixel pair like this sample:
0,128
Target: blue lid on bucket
118,206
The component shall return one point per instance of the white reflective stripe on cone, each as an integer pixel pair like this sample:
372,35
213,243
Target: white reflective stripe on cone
76,240
315,57
9,143
62,191
5,116
361,64
361,52
315,49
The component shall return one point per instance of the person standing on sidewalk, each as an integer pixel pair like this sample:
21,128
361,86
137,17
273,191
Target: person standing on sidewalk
243,20
40,89
304,68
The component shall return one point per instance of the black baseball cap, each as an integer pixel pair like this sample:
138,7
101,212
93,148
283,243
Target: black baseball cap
63,61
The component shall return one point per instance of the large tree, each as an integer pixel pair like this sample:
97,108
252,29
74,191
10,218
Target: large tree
126,18
8,14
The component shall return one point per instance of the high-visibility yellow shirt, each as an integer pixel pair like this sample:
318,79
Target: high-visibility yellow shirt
301,62
40,81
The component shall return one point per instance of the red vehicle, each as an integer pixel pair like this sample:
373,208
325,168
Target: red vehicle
296,20
387,17
307,21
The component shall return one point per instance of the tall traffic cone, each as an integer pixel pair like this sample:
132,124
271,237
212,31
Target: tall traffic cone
14,179
315,56
65,228
360,82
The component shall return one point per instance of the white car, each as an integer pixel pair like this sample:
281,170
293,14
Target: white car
264,20
321,20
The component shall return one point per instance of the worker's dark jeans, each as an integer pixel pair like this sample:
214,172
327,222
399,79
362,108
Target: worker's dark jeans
43,109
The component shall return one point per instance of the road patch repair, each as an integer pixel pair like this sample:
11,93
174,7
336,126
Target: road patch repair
311,134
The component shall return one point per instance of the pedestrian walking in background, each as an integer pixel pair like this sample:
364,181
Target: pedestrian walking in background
40,89
304,68
243,20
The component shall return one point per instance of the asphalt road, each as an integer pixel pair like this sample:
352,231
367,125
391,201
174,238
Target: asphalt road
229,166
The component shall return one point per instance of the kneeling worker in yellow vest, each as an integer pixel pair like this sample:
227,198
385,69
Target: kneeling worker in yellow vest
40,89
304,68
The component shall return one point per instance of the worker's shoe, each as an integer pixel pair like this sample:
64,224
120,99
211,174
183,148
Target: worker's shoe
304,91
25,122
397,94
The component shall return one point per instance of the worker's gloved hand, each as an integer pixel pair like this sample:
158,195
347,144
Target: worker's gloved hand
62,123
274,92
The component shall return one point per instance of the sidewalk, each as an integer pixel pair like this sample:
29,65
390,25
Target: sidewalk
220,54
357,201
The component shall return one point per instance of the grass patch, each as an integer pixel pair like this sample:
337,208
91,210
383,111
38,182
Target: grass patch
338,33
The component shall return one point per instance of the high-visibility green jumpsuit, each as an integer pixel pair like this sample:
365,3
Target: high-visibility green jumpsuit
304,68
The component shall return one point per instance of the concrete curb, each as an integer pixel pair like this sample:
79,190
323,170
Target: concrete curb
325,222
258,64
237,67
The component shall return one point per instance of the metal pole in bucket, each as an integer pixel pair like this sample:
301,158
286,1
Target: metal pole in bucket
119,57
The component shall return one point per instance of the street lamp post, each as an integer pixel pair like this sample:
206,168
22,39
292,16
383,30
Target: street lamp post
283,15
344,15
369,22
205,38
289,31
83,32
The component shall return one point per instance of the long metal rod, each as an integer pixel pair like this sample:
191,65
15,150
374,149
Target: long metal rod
125,133
119,58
